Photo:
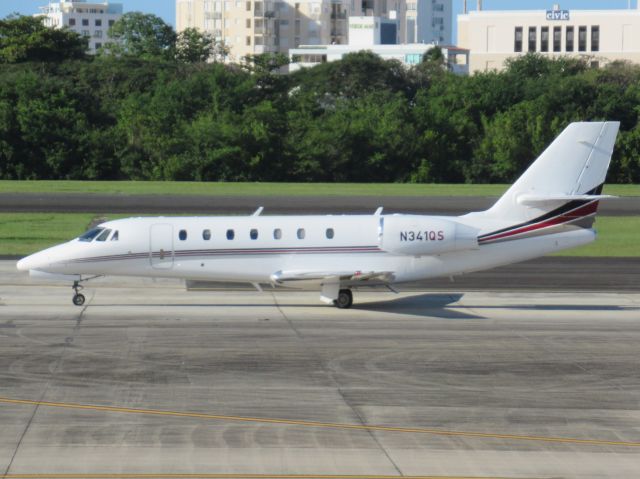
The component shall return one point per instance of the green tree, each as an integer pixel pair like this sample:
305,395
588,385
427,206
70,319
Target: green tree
434,55
357,74
193,46
141,35
363,139
27,39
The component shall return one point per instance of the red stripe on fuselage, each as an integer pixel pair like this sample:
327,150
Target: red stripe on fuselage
580,212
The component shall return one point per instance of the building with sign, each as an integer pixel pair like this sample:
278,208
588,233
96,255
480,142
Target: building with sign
375,34
599,35
91,19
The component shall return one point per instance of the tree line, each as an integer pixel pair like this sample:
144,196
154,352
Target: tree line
157,105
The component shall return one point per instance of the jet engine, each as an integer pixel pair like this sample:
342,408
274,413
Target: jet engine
425,235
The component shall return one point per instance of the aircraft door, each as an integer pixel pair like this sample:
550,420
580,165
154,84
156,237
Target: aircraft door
161,246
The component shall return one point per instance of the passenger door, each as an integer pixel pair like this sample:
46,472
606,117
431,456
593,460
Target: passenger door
161,246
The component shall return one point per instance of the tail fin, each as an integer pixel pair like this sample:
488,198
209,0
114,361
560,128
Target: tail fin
570,172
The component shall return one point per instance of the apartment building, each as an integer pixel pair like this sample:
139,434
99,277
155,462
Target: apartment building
88,18
599,35
428,21
257,26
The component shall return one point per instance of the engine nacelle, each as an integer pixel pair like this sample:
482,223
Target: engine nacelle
425,235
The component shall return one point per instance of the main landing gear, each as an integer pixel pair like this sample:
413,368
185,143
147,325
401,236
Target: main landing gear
78,298
344,300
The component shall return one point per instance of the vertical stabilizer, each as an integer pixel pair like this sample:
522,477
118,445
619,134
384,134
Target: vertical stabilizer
574,165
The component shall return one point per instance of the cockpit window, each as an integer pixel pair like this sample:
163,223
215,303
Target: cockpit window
89,235
104,235
115,236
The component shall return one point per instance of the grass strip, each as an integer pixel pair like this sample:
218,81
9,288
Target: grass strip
269,189
25,233
617,237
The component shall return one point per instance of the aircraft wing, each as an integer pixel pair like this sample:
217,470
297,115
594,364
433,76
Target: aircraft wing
330,282
283,277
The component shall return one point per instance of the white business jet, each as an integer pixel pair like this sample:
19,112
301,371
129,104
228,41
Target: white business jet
550,208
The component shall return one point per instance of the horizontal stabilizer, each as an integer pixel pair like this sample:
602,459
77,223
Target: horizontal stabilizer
538,199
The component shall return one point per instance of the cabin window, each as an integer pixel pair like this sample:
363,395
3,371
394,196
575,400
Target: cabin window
206,235
115,236
182,235
329,233
104,235
89,235
277,233
301,233
230,234
253,234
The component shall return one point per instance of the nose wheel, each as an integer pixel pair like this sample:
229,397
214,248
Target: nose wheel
344,300
78,298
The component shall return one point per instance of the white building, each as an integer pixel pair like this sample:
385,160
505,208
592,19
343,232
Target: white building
88,18
429,21
600,35
257,26
367,33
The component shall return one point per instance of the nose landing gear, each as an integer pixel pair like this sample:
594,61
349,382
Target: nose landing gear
78,298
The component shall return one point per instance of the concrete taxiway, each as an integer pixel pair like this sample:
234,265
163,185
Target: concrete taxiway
148,378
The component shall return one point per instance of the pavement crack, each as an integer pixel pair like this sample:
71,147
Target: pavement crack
68,341
371,433
286,318
338,388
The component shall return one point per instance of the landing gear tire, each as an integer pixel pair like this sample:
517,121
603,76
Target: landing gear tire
78,299
345,299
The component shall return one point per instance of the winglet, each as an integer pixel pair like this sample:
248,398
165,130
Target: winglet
258,211
378,211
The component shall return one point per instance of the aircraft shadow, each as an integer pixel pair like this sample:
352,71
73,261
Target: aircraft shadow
558,307
426,305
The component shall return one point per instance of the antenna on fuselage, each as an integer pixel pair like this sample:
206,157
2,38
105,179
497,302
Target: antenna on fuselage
258,211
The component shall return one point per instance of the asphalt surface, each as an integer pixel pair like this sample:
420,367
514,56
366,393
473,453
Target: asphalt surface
157,204
579,274
150,379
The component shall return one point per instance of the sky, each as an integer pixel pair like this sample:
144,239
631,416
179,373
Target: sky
167,8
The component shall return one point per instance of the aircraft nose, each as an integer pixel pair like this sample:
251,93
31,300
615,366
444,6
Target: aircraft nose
34,261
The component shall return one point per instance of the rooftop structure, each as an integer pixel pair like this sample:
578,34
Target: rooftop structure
374,34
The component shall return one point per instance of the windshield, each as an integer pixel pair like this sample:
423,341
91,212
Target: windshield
104,235
89,235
